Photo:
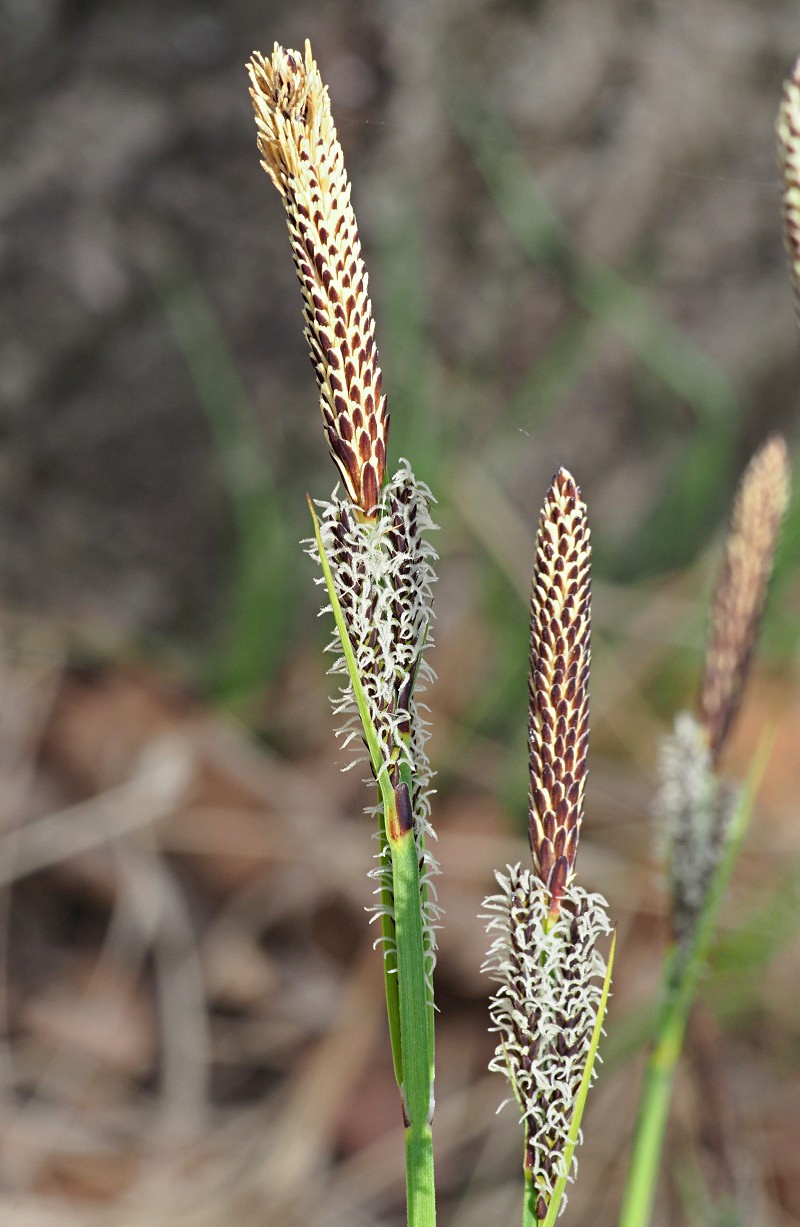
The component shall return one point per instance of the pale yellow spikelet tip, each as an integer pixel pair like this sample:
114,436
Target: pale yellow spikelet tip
303,158
788,133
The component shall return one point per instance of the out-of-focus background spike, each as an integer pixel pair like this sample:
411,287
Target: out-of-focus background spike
571,218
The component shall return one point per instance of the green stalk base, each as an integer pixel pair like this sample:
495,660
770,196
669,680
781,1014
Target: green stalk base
420,1192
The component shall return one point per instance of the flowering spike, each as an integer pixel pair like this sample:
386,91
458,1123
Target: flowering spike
550,985
741,589
558,724
552,980
303,158
788,132
694,810
383,573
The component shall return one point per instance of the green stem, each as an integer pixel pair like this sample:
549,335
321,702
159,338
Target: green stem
419,839
648,1138
389,952
420,1193
417,1089
683,969
529,1218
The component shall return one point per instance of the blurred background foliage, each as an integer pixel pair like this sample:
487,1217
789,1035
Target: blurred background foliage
571,217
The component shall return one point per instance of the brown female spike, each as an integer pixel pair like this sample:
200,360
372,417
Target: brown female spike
303,158
558,725
742,587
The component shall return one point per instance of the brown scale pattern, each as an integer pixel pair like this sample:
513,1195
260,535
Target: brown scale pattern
558,726
742,587
788,132
302,156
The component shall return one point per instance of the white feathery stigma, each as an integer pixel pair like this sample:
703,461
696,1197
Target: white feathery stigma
550,978
383,572
693,808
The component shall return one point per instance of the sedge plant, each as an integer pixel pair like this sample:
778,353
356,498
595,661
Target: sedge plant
371,540
703,817
552,979
372,543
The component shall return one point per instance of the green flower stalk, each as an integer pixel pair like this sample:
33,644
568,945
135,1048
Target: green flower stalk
553,982
377,569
